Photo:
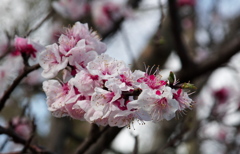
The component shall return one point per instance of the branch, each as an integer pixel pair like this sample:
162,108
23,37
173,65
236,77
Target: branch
104,141
18,139
117,24
40,23
134,3
172,141
212,62
135,149
181,50
8,92
95,134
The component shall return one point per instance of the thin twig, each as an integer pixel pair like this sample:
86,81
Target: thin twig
9,48
162,14
40,23
15,83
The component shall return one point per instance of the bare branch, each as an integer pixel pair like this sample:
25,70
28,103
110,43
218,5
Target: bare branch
135,150
95,134
181,50
15,83
18,139
214,61
40,23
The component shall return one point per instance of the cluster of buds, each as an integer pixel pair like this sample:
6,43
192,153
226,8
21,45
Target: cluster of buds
86,84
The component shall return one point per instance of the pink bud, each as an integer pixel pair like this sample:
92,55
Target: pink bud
22,127
24,46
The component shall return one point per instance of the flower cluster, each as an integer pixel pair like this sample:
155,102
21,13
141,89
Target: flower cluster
90,85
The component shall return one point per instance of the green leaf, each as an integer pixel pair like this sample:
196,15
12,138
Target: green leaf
171,78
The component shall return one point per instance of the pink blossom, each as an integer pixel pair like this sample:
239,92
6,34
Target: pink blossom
76,109
125,81
51,61
58,95
106,67
85,82
26,46
159,104
94,116
102,100
125,112
183,100
151,81
66,44
81,31
79,57
121,119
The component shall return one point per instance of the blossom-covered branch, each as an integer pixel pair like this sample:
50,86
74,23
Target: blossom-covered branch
95,87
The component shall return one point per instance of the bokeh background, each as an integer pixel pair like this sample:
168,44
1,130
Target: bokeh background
137,32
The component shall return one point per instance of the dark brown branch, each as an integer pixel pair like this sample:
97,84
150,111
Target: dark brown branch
15,83
135,149
115,28
18,139
134,3
104,142
214,61
171,142
95,134
181,50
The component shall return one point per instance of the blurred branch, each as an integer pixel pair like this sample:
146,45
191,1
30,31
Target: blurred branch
135,149
51,12
162,14
4,144
27,145
9,47
104,141
18,139
212,62
128,46
172,141
117,24
134,3
115,28
181,50
94,135
15,83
